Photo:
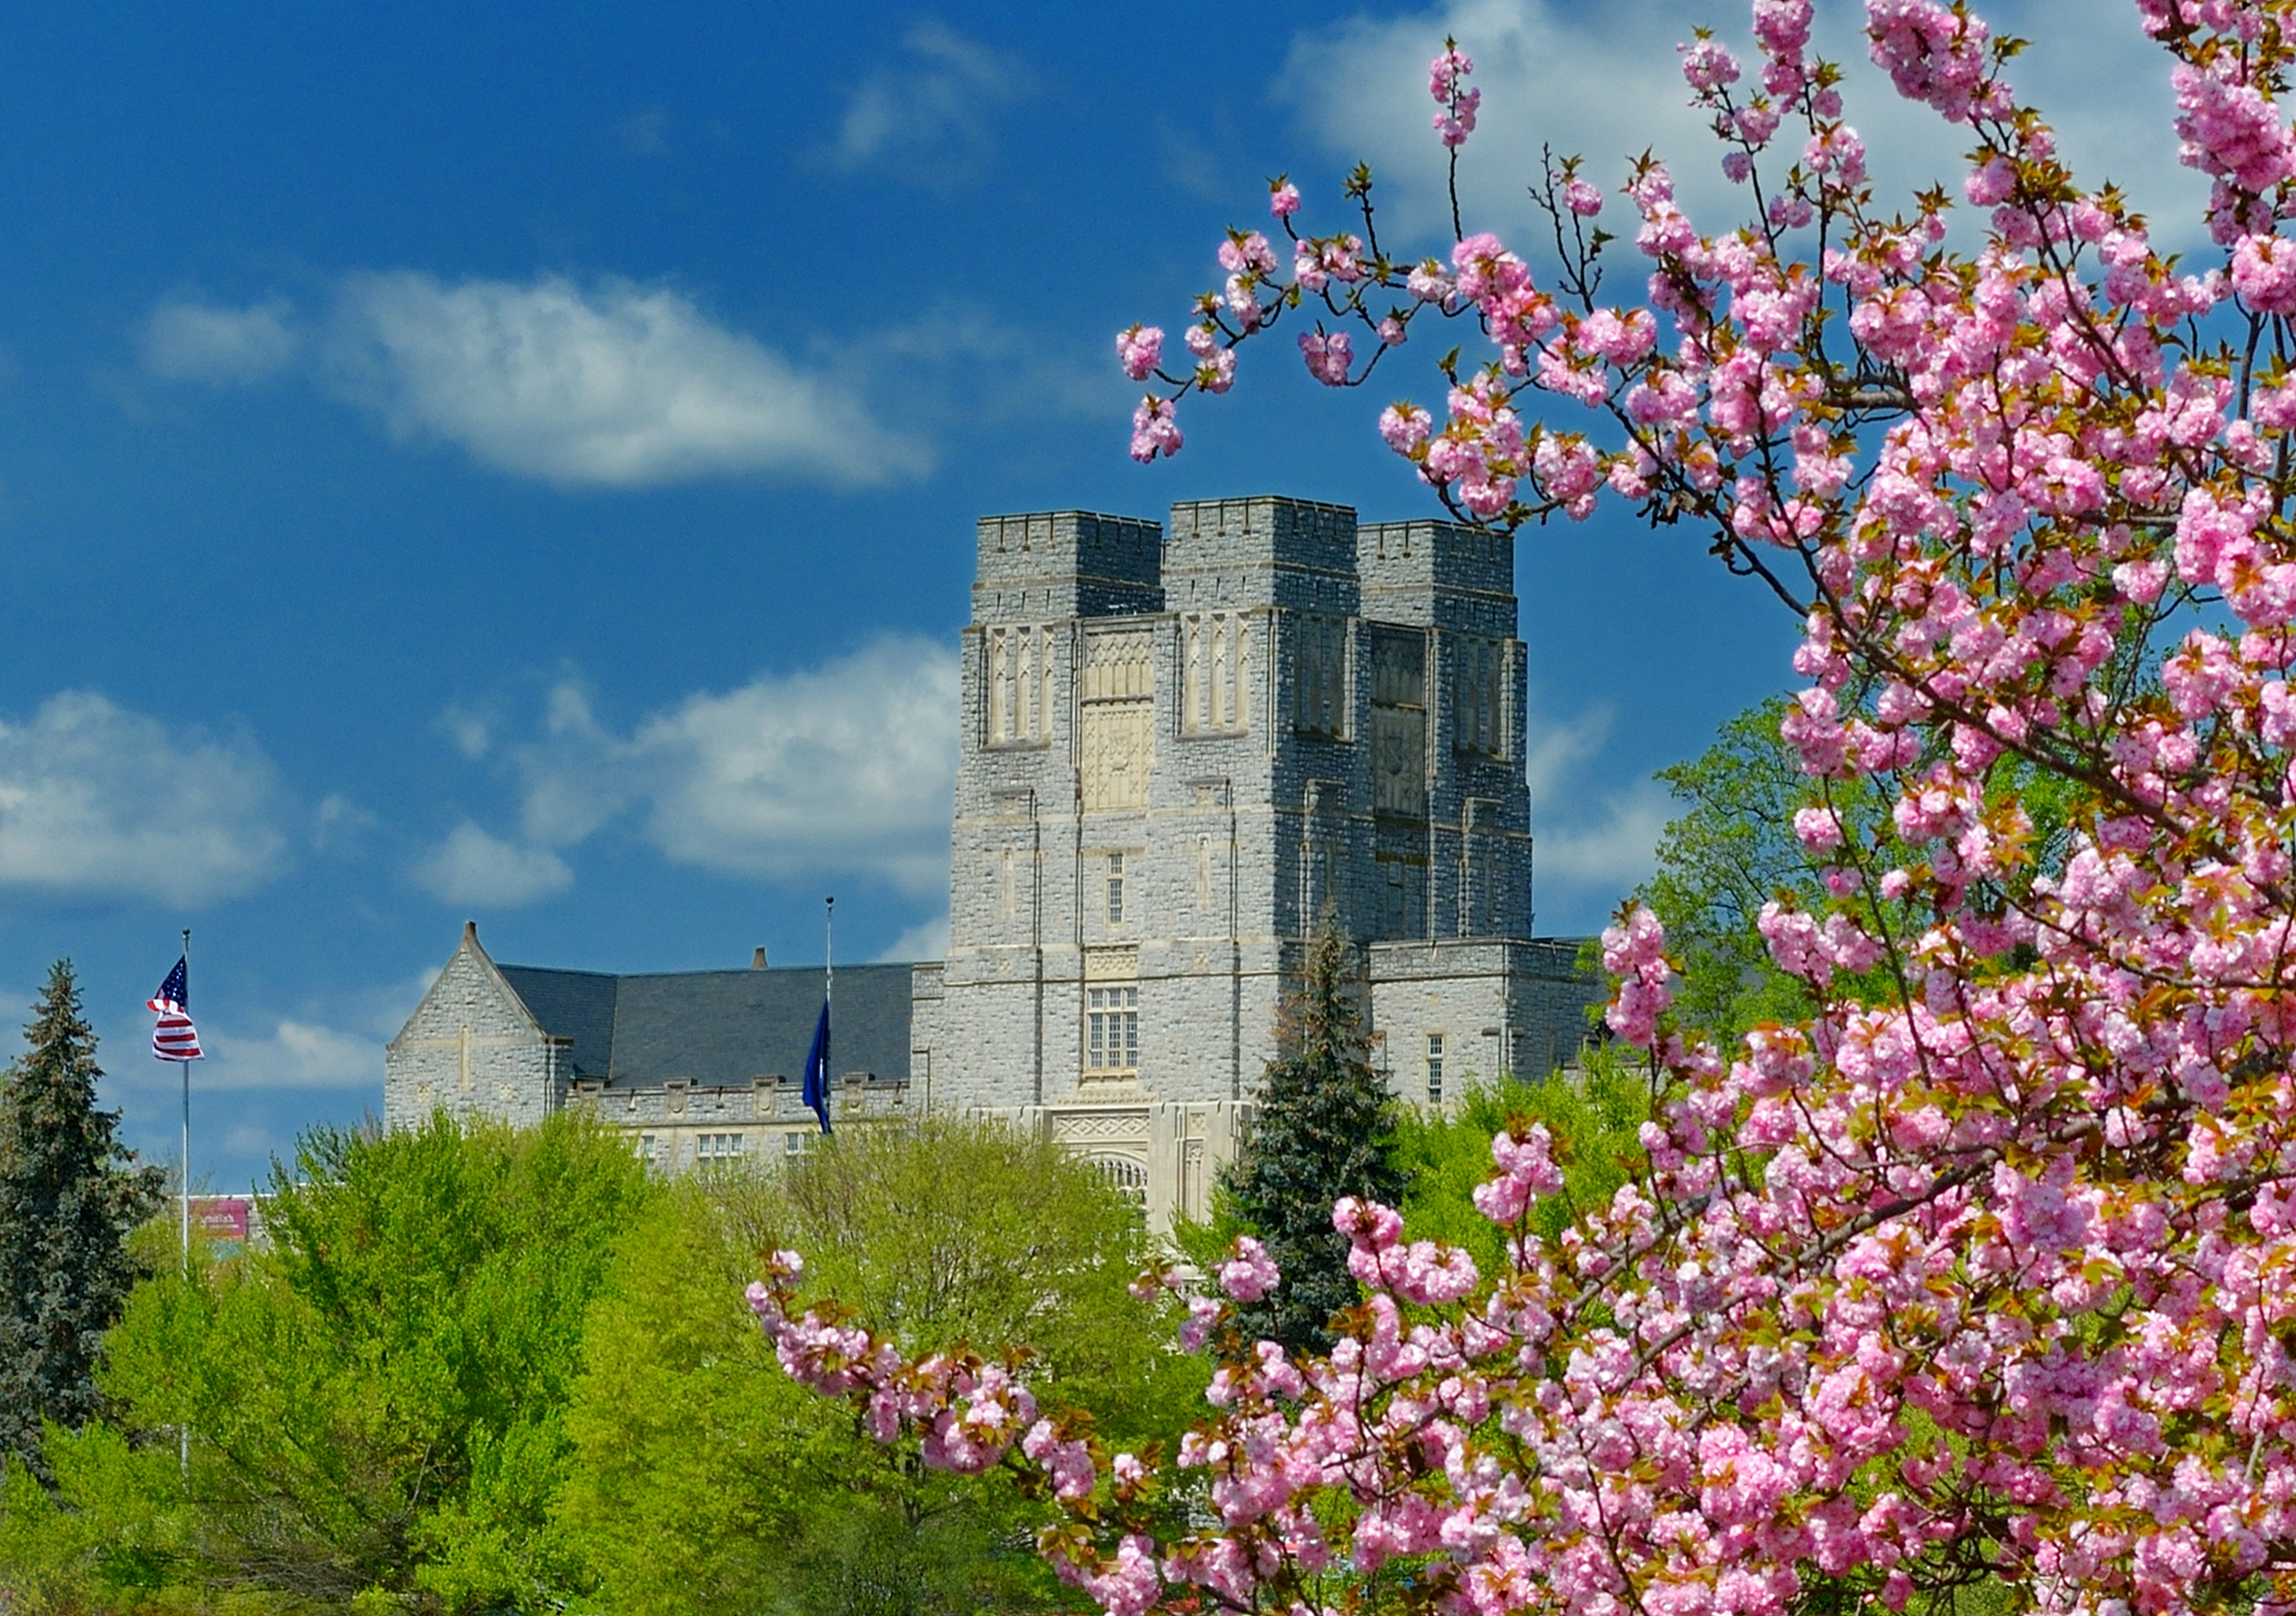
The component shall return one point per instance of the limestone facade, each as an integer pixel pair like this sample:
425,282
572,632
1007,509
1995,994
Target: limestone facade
1181,742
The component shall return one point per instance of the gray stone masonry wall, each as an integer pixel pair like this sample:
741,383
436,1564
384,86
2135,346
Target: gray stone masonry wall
1055,565
1503,1008
680,1126
1166,1154
471,1049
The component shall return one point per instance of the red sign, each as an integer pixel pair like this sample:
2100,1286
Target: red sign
220,1217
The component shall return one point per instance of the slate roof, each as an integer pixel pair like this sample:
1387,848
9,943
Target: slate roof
719,1028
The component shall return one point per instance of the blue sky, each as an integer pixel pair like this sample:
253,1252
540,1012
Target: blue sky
519,463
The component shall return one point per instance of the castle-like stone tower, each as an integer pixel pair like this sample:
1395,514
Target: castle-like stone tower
1179,746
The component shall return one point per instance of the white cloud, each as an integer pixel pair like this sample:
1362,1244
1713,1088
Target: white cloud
294,1054
845,768
931,107
1615,849
95,800
1590,846
613,384
1554,749
854,762
472,730
472,867
927,939
1605,82
184,341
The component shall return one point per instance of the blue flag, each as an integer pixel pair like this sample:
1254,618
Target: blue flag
815,1093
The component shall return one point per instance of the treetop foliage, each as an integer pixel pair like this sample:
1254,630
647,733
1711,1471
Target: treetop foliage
1324,1129
70,1196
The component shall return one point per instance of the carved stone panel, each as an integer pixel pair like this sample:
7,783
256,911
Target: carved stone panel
1091,1127
1019,685
1118,745
1119,665
1214,685
1398,670
1479,687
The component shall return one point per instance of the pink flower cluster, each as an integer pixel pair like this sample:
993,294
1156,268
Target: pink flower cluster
1634,951
1981,1255
1936,54
1456,119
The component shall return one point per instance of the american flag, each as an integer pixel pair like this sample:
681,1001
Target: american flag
172,1037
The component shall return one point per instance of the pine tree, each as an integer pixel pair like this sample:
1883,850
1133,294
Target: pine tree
1325,1129
69,1195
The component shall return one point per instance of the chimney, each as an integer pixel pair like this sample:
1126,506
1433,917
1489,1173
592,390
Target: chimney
758,959
469,931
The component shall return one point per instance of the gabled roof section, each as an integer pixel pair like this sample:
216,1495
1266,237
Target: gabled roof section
470,949
577,1005
717,1028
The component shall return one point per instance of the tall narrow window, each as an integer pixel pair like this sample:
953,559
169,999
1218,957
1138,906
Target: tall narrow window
1112,1029
1320,683
1214,687
1434,1069
1019,677
1116,889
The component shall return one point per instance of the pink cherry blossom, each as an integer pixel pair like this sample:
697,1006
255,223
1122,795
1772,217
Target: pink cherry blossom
1140,347
1979,1254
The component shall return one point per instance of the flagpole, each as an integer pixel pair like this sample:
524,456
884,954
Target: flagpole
828,956
185,1068
184,1431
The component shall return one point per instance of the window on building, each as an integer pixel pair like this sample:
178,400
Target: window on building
1481,677
1129,1177
1116,889
1112,1029
717,1147
794,1144
1434,1069
1403,896
649,1149
1320,678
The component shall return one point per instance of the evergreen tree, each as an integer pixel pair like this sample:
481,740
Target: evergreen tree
1326,1129
70,1194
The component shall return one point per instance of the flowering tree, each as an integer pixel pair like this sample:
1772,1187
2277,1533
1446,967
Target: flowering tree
1989,1273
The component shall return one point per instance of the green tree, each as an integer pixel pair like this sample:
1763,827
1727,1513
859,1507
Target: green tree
1732,849
705,1479
1324,1129
70,1196
1595,1115
378,1402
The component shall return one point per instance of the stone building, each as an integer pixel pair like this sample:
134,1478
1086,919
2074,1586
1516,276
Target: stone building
1181,744
696,1065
